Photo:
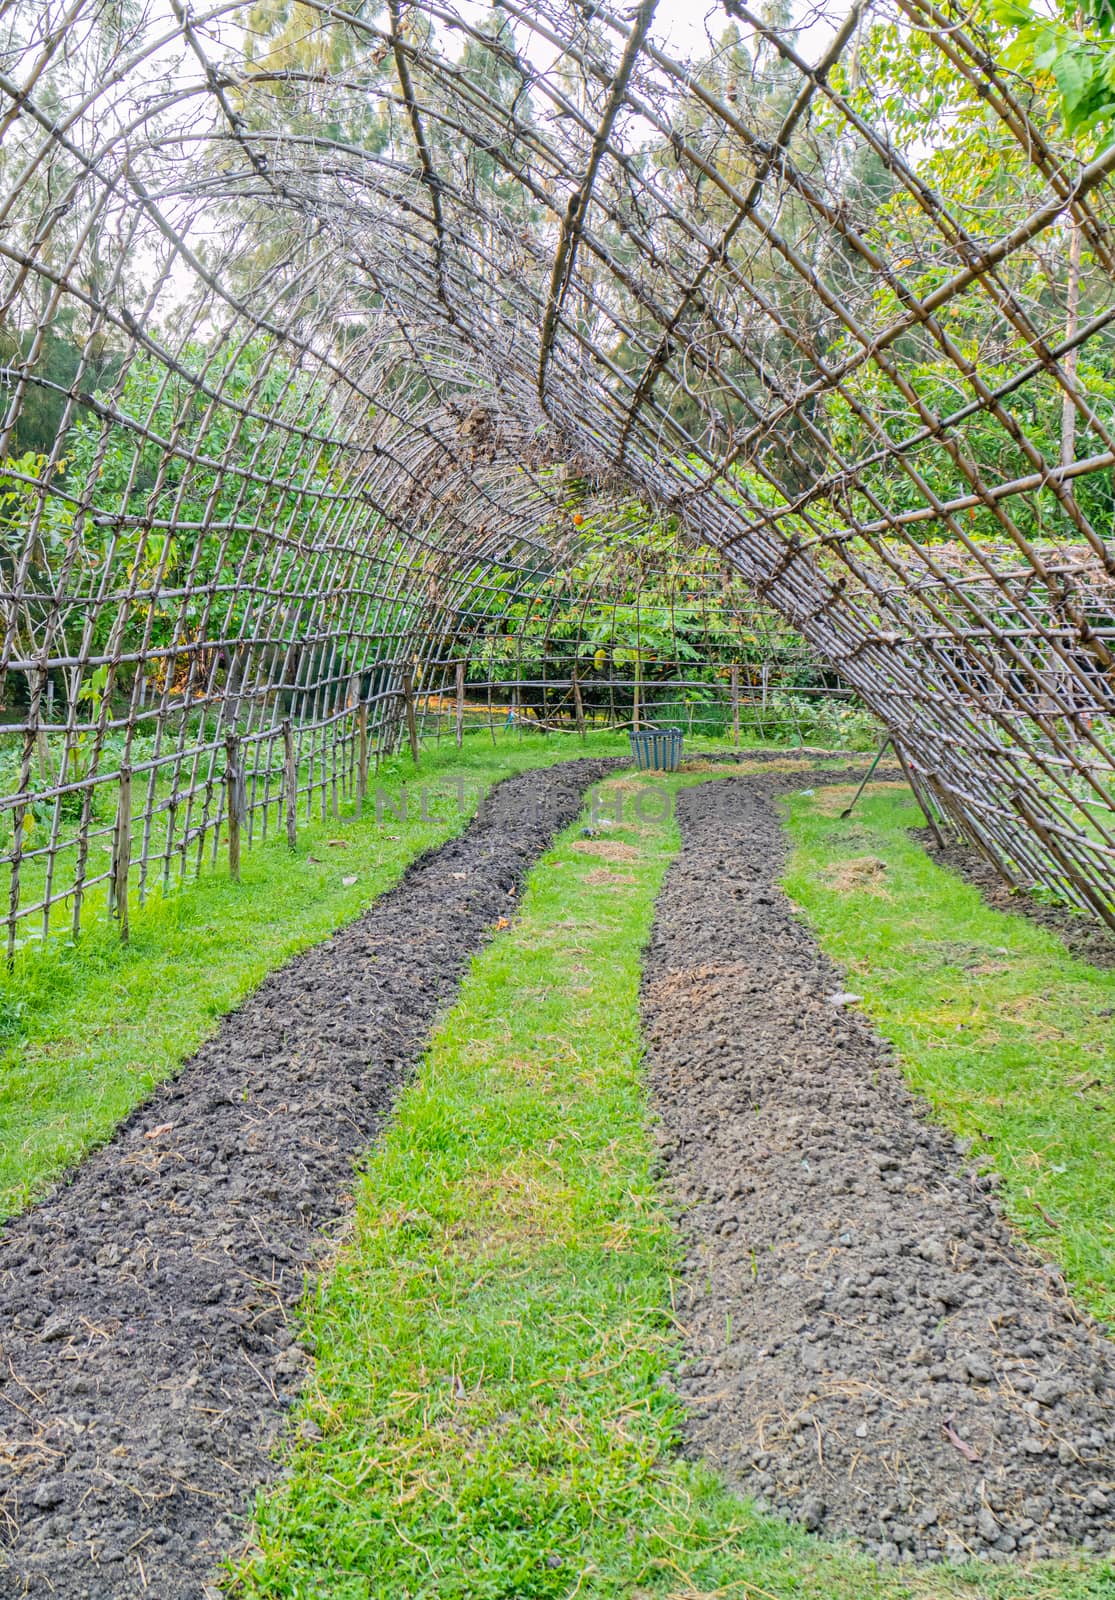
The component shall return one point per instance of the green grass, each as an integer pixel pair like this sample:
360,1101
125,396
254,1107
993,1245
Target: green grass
489,1415
86,1030
1008,1036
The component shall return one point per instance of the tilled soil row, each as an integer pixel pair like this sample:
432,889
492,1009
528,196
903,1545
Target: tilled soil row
870,1350
854,763
145,1306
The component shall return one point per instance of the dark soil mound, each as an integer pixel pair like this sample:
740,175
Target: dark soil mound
145,1306
1086,937
859,760
871,1350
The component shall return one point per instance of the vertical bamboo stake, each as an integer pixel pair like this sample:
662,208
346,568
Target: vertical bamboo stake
1068,360
638,675
290,785
919,796
234,778
362,756
578,703
735,704
122,852
460,707
412,726
1063,859
41,742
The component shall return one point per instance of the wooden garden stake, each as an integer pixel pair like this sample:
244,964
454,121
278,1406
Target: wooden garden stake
578,704
361,756
235,780
412,725
735,704
122,852
41,740
460,709
290,785
919,796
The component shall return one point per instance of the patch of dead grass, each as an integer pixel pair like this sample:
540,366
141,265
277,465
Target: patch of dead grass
746,769
602,875
515,1203
694,985
606,849
858,875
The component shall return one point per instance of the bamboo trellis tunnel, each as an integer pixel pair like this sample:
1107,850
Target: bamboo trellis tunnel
325,327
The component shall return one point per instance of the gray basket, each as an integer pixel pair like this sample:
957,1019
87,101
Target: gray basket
657,749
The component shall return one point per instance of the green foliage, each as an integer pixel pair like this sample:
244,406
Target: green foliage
1073,41
211,473
632,600
984,179
57,366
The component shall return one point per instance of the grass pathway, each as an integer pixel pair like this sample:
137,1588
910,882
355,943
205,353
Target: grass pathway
490,1415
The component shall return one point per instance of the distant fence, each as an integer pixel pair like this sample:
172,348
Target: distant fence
100,811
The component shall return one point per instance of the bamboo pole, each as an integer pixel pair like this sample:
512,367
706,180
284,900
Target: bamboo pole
122,853
290,785
234,783
412,724
361,756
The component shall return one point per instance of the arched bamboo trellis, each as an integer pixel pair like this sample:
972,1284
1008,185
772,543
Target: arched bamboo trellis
312,314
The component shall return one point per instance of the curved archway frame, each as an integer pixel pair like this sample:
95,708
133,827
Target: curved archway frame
310,314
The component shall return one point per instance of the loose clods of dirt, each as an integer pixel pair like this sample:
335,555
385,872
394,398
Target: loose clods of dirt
763,755
146,1306
870,1350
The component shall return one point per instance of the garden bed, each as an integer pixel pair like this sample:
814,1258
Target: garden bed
857,1318
870,1349
146,1305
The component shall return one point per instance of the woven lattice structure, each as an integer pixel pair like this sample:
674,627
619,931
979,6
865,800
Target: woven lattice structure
325,328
